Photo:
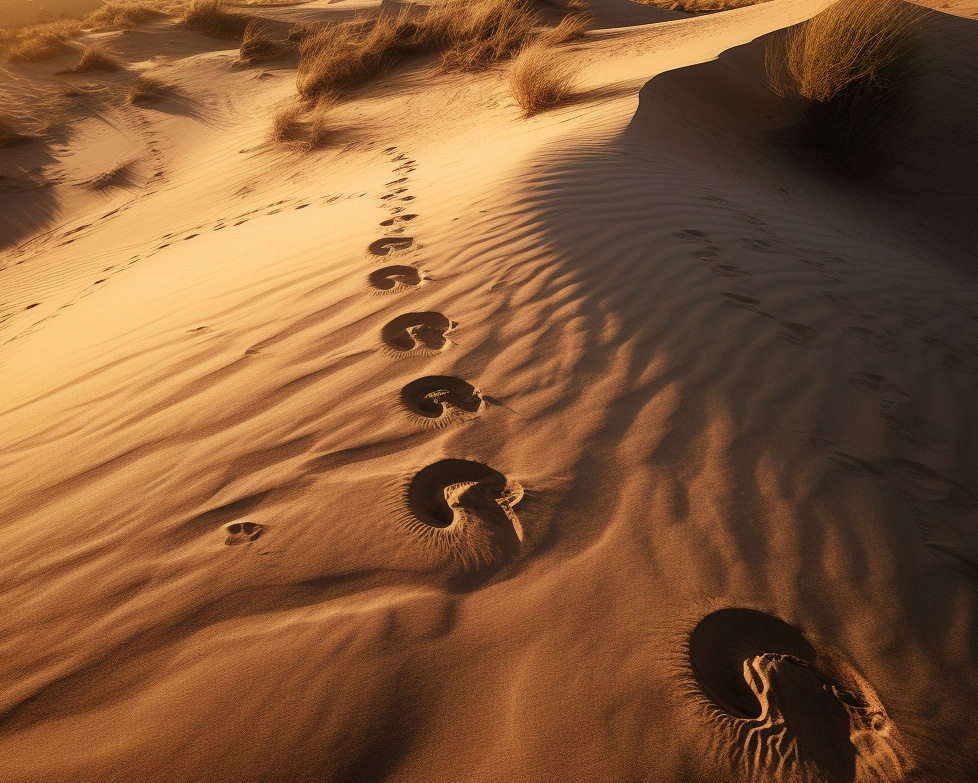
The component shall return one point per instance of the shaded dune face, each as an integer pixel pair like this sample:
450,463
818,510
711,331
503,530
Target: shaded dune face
466,510
785,712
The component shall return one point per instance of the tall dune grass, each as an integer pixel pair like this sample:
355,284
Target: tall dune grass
700,6
304,126
99,57
854,67
572,27
39,41
216,19
147,88
258,45
123,15
538,82
470,34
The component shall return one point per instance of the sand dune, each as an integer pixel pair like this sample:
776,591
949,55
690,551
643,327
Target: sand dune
614,444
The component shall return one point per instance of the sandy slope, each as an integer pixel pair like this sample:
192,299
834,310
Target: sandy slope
701,419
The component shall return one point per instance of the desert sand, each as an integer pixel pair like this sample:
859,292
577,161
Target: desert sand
613,444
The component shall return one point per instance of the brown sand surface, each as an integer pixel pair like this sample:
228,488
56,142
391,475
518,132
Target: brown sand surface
616,444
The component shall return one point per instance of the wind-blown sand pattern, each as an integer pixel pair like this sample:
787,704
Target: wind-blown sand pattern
618,443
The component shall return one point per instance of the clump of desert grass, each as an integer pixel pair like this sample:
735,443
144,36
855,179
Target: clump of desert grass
216,19
853,68
304,126
99,58
258,45
146,89
700,6
572,27
39,41
124,15
538,82
470,34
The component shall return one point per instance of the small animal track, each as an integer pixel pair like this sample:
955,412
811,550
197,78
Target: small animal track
239,533
442,398
418,333
387,245
465,509
392,279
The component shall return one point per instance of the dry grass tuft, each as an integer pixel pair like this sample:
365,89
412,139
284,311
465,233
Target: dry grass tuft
122,15
99,57
304,126
214,18
471,34
147,88
700,6
572,27
537,82
258,45
854,68
40,41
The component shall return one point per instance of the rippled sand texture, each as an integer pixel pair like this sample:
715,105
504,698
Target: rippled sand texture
617,444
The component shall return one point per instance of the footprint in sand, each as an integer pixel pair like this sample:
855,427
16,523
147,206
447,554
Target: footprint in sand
442,399
878,386
728,270
867,312
398,219
465,509
799,334
418,333
945,512
760,245
780,706
239,533
387,245
740,300
881,341
691,233
393,279
920,432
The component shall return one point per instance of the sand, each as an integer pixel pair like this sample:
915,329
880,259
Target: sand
614,444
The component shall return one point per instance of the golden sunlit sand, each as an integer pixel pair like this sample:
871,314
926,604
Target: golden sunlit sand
483,412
